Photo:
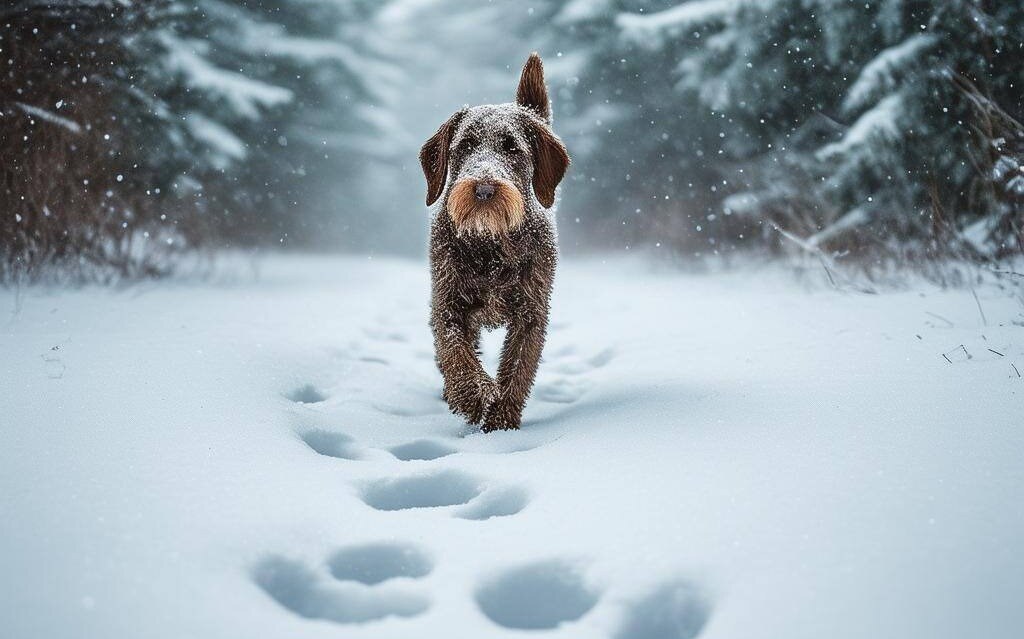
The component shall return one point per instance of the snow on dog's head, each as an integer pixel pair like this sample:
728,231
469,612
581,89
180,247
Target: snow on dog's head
496,161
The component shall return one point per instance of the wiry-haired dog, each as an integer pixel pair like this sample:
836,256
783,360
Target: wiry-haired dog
493,245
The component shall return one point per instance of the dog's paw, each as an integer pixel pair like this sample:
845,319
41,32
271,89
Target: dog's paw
501,414
471,397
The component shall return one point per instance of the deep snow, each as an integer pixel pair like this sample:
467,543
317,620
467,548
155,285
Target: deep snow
729,455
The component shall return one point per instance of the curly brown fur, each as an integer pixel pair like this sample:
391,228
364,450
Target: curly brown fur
493,246
500,215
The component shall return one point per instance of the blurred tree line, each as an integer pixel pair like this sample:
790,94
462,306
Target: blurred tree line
869,130
879,128
130,131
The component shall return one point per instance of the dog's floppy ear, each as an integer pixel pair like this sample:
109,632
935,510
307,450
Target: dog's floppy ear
549,164
434,157
532,92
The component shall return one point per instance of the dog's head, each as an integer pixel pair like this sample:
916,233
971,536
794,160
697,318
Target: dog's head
497,159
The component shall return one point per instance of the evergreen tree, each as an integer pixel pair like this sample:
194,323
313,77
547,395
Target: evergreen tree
639,153
75,192
134,129
852,121
275,98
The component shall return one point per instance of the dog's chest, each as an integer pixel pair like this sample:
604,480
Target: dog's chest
491,285
494,293
496,306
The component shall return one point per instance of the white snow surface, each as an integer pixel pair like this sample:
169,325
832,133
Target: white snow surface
718,455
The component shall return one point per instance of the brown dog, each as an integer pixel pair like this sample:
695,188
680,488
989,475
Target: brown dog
493,245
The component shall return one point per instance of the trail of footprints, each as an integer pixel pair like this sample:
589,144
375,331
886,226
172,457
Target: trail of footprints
433,489
354,596
369,582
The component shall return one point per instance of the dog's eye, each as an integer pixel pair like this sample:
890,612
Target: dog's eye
467,144
508,145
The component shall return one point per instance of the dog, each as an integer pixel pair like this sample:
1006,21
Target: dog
493,246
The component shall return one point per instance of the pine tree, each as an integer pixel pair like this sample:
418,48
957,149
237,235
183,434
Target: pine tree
274,97
643,151
72,195
854,122
134,130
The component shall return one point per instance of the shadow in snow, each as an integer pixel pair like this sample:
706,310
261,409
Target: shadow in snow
629,405
302,591
536,596
498,502
422,449
307,394
676,610
374,563
444,488
331,444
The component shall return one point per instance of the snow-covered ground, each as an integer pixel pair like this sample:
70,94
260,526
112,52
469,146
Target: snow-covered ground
725,455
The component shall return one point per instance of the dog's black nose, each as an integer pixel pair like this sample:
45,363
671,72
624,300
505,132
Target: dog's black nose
484,190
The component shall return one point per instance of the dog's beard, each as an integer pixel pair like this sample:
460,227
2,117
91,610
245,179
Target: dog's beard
501,214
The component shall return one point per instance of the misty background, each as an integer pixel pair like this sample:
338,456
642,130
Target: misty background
870,133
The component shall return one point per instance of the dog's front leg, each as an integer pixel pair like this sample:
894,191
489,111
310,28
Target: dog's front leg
520,356
468,388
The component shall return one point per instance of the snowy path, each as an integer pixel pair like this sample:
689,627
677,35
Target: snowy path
722,456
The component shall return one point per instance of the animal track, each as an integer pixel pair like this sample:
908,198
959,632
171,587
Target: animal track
373,581
499,502
558,326
561,383
375,563
296,587
561,391
422,449
599,360
602,359
331,444
536,596
410,411
442,488
676,610
307,394
387,336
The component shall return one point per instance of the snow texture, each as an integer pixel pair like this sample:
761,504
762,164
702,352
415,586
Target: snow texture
672,22
850,220
720,455
224,146
246,96
878,75
742,203
50,116
880,122
576,11
978,234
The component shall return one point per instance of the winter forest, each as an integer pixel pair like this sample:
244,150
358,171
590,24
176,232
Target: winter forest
355,319
875,132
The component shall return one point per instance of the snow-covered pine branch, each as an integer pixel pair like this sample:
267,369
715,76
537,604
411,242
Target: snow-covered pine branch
245,95
878,125
650,29
882,73
50,117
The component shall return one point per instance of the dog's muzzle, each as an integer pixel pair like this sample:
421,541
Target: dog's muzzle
485,205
